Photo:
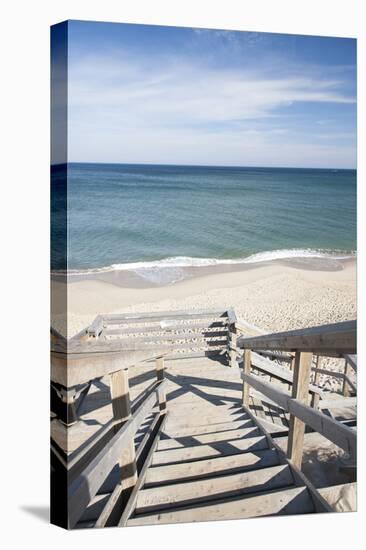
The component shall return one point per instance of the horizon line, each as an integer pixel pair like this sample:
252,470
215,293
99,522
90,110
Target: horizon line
203,165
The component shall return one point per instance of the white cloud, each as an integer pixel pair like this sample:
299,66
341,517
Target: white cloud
130,112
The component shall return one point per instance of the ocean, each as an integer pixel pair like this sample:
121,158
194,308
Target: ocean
159,219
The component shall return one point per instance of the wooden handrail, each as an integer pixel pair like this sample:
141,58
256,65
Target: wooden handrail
337,337
341,435
72,369
280,373
87,484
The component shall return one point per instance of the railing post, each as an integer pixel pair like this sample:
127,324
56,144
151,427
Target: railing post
300,392
247,358
316,375
232,343
160,374
345,387
121,406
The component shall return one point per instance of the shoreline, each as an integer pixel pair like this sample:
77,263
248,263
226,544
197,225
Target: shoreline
275,295
165,275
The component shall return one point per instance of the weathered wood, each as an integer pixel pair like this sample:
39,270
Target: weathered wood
316,369
345,386
232,341
86,485
120,395
208,438
338,337
351,360
73,369
163,315
228,486
178,340
192,431
205,329
339,434
222,448
247,362
130,506
160,374
202,469
280,373
300,392
299,478
284,357
121,406
287,501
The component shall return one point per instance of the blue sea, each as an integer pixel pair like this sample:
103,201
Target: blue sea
146,218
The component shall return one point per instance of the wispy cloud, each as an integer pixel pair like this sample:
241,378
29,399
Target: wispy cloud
135,111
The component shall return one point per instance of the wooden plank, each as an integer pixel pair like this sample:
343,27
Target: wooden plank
283,502
73,369
316,370
163,315
228,486
204,328
121,407
300,392
352,360
339,337
120,395
86,485
192,431
232,345
160,374
176,339
222,448
345,386
207,439
339,434
202,469
299,478
276,371
142,475
247,365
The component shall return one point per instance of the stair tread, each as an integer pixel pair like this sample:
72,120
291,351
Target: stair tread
214,466
294,500
175,421
187,493
220,448
208,428
201,439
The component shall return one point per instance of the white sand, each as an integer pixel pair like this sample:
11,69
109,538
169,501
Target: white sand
273,297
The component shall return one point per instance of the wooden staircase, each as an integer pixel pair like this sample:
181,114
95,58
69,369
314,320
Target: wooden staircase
154,434
217,465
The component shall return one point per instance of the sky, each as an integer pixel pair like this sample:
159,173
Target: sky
168,95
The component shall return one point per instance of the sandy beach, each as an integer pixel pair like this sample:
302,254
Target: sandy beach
273,296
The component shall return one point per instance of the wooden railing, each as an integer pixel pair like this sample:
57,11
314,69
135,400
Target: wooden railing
119,448
333,340
178,334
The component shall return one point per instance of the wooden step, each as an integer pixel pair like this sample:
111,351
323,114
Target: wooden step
188,493
221,448
185,420
202,469
208,428
294,500
191,440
